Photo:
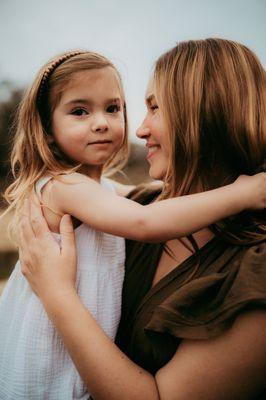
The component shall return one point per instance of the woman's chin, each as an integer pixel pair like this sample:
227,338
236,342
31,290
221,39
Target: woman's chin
156,173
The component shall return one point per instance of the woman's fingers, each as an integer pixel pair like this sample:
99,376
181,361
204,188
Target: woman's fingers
34,236
38,223
26,240
47,267
26,236
66,230
25,266
26,233
68,248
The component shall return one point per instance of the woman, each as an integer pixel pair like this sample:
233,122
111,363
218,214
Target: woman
196,326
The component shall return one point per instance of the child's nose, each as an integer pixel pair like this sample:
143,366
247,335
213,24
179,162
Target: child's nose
99,123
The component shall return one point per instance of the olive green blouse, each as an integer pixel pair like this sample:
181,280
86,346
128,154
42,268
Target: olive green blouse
228,280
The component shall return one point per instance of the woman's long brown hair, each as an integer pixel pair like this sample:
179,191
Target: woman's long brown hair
212,95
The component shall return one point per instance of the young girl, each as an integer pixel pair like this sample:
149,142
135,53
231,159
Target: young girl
71,128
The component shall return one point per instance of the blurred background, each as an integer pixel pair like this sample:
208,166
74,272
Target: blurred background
131,33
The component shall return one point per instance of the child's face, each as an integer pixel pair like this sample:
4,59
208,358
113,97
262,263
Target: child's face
153,130
88,122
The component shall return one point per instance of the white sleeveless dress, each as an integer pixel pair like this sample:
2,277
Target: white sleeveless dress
34,364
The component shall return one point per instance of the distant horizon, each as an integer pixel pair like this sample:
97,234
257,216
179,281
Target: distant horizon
132,35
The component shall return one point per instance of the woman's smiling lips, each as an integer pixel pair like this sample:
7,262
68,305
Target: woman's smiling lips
152,148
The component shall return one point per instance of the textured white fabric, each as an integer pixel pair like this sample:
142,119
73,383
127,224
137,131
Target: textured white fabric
34,364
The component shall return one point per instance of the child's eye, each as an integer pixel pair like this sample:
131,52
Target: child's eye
79,112
113,108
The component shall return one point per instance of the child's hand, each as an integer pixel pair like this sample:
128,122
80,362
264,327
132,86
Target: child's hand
253,190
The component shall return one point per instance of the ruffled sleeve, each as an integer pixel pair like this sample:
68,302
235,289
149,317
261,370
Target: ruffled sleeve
207,305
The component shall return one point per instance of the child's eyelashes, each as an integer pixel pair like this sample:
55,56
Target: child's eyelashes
79,112
113,108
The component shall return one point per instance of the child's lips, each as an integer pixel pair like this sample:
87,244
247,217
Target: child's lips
100,143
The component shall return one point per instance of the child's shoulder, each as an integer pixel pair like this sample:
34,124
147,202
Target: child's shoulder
73,177
48,185
54,192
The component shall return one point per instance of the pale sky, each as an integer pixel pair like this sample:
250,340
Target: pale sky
131,33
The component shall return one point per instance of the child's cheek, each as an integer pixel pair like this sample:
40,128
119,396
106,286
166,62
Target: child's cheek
121,127
79,137
121,135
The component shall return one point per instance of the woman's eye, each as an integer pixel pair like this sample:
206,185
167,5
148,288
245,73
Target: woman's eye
113,108
154,107
79,112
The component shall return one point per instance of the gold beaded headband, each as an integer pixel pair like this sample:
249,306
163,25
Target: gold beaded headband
47,73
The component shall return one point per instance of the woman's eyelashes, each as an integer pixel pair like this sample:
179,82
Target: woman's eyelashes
154,107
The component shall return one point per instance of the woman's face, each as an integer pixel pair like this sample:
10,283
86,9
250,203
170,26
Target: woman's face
153,130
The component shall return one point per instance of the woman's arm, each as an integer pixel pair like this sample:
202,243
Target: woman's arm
38,250
229,366
89,202
105,370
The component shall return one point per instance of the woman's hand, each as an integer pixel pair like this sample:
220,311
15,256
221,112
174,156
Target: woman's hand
49,269
253,189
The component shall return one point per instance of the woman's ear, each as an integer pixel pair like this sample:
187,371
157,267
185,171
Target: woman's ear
50,139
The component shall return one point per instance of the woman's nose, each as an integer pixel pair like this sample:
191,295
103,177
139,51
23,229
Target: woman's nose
99,123
143,131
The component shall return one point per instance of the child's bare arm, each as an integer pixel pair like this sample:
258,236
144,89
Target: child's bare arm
88,201
121,189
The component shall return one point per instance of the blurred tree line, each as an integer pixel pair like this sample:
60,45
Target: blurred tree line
10,97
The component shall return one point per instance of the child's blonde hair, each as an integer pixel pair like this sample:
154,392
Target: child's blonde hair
33,154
